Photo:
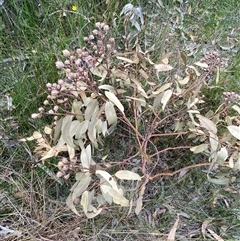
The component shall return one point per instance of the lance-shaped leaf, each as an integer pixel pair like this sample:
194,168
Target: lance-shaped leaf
162,88
113,98
70,204
81,186
86,156
222,155
235,131
127,175
100,71
80,129
76,109
57,131
199,148
110,113
108,178
117,196
140,198
213,139
92,107
163,67
166,97
219,181
92,132
85,201
208,124
66,134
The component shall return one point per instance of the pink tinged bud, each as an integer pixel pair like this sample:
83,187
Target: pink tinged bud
67,62
85,39
60,82
95,32
74,160
55,108
72,58
67,176
64,160
60,101
102,25
48,85
109,46
111,40
51,112
65,168
66,53
54,92
36,115
59,64
79,51
60,165
98,25
46,102
91,37
55,118
41,109
68,71
59,174
106,27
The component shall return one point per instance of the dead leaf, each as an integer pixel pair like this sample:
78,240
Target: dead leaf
172,234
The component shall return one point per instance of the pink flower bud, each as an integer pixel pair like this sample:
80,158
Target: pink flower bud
36,115
111,40
60,165
51,112
95,32
106,27
55,108
59,174
55,117
54,92
72,58
85,39
67,62
91,37
64,160
46,102
66,53
48,85
40,109
67,176
59,64
98,25
60,82
65,168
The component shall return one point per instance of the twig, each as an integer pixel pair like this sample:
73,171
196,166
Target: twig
161,174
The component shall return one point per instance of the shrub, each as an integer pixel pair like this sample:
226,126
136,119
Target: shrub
163,105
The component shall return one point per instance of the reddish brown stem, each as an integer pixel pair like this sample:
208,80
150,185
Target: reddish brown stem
162,174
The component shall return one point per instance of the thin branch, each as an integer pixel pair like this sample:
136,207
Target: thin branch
170,148
161,174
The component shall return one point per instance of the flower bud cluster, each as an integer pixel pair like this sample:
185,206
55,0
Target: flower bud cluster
76,72
230,97
65,167
213,60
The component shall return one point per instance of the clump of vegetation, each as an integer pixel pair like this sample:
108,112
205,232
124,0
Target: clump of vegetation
161,103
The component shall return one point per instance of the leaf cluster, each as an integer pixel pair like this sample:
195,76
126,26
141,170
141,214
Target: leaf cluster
100,88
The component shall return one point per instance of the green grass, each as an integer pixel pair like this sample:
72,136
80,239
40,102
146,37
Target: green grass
33,35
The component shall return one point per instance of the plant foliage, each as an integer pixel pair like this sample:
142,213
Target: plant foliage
101,87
